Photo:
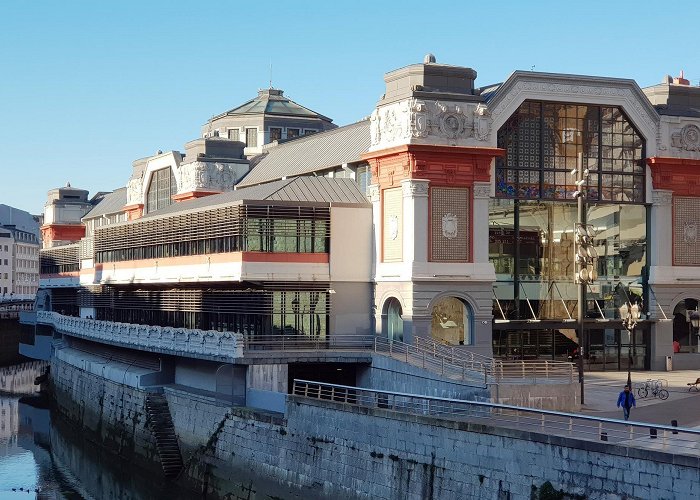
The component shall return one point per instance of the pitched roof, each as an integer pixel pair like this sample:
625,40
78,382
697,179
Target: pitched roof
311,153
301,189
111,203
272,102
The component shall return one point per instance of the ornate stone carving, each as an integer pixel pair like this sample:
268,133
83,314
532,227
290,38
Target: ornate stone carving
134,191
482,190
163,339
373,193
690,232
661,197
687,138
450,223
438,122
419,118
393,227
482,122
414,188
209,176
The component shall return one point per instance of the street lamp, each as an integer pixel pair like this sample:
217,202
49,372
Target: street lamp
630,315
694,318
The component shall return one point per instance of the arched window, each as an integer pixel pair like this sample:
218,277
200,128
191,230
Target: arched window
160,190
394,321
451,322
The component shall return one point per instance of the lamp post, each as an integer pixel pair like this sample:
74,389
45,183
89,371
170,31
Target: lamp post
585,257
630,315
694,318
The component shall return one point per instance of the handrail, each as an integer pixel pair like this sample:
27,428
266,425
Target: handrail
666,438
453,363
499,369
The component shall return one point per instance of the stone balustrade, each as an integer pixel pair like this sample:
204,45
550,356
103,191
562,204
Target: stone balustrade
181,341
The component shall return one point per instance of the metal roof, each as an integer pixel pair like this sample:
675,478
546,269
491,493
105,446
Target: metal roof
112,203
311,153
272,102
300,189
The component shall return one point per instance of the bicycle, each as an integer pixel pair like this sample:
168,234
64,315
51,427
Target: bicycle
655,387
643,389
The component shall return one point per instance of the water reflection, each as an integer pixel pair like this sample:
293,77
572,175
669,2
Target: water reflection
47,458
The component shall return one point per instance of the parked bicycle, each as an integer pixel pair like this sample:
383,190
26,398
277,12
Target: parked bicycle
653,388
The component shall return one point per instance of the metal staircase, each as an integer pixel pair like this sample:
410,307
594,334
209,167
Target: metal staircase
161,425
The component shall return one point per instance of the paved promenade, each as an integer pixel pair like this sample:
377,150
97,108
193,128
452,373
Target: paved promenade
602,389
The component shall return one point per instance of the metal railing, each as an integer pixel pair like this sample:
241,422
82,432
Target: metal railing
499,371
665,438
449,362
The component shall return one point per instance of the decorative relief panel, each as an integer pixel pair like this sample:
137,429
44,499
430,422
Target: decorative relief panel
209,176
415,188
686,217
134,191
449,224
447,123
393,225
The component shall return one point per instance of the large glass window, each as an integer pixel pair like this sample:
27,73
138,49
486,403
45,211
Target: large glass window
531,245
161,189
542,142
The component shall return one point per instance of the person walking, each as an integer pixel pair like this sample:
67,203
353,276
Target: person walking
626,400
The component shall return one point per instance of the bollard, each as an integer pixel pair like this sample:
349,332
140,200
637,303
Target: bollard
603,436
674,423
652,433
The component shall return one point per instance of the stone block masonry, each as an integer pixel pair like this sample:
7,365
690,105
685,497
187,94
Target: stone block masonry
321,449
329,450
109,413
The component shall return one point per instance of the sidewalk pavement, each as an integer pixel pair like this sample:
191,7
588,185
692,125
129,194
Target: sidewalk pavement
603,388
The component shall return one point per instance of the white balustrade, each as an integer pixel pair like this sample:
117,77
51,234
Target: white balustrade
174,340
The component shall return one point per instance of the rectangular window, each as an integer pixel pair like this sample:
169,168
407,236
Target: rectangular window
309,131
292,132
251,137
275,134
234,134
363,178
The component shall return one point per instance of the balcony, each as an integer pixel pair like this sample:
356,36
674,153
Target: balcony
205,344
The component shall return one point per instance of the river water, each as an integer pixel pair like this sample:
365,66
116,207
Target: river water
46,458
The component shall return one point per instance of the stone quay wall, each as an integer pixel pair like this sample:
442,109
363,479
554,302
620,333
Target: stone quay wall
110,413
321,449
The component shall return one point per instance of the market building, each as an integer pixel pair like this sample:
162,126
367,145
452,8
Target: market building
449,216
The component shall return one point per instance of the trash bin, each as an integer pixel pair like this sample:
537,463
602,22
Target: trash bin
669,363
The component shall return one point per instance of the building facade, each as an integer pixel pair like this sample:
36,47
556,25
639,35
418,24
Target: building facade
19,255
470,238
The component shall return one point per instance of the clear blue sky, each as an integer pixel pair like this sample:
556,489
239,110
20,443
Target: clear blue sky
86,87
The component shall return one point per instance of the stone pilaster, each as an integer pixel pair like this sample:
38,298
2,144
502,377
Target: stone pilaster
661,229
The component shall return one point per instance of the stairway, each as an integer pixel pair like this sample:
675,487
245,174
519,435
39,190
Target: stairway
161,425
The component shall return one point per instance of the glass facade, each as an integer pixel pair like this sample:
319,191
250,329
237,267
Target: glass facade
531,233
542,141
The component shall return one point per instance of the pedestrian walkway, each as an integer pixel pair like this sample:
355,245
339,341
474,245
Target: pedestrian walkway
603,388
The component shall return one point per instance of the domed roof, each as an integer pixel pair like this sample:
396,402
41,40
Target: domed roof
273,102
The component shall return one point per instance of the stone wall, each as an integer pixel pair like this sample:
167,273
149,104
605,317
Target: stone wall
320,449
327,450
108,412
